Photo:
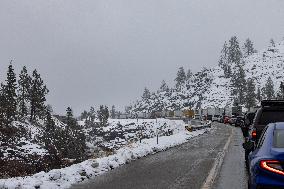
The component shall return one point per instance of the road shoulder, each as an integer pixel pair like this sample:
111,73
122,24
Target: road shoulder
233,173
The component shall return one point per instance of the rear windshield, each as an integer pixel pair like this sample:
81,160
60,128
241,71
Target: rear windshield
279,138
271,117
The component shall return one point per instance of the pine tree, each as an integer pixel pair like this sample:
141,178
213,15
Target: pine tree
106,115
250,95
269,89
248,48
234,51
280,94
84,115
146,94
272,43
49,123
224,61
103,115
24,84
92,114
10,95
239,83
180,78
258,94
75,138
70,121
113,112
188,74
49,130
128,109
164,87
3,106
37,97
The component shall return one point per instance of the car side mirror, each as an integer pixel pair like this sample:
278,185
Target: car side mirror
249,145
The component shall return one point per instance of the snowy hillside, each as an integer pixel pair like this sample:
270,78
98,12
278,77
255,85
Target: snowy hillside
210,88
65,177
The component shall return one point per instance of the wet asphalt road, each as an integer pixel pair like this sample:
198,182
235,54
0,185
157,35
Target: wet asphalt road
185,166
233,174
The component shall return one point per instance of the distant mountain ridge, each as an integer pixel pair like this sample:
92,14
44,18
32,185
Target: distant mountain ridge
210,88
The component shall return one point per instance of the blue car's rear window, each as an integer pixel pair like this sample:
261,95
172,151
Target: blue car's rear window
279,138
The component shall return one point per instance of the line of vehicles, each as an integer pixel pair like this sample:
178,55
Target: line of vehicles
211,113
264,145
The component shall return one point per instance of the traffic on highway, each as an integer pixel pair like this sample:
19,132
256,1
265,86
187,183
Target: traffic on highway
264,146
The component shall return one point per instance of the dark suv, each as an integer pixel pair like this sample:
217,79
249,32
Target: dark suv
271,111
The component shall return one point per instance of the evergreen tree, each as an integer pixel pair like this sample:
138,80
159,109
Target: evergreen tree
37,97
128,109
280,94
75,138
188,75
164,87
103,115
272,43
146,94
258,94
3,106
269,89
227,71
84,115
234,51
10,95
92,114
180,78
248,48
250,95
239,83
70,121
54,141
49,123
113,112
224,61
24,84
49,130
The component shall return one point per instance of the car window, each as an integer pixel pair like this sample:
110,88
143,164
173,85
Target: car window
279,138
262,138
271,116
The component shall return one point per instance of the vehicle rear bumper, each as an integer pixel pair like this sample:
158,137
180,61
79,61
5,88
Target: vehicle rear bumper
269,187
268,181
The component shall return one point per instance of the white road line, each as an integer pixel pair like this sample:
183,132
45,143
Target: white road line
217,165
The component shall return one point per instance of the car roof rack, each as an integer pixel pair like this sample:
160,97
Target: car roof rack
272,103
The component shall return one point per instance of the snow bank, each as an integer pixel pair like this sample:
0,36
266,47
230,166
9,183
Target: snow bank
65,177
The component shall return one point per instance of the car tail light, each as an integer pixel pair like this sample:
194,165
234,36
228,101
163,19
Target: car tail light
253,134
272,166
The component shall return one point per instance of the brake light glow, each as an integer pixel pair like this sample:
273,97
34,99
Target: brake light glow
253,134
272,166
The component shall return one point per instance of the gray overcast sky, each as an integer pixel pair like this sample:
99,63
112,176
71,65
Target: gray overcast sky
106,51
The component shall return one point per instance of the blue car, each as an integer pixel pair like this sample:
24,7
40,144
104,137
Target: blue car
266,161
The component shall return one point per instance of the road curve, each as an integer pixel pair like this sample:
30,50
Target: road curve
184,166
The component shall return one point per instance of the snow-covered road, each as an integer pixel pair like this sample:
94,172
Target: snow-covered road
185,166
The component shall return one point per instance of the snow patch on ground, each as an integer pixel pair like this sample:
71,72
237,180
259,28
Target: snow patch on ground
65,177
